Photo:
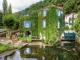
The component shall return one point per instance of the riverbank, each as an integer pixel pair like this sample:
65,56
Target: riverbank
20,45
9,45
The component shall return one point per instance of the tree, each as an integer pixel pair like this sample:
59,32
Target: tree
10,9
5,7
1,18
77,25
71,6
16,26
9,22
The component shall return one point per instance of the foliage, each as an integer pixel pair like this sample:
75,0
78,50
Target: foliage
34,26
21,35
16,26
3,48
68,6
39,23
1,15
29,39
62,23
5,7
21,29
77,25
9,9
71,6
2,27
51,23
20,38
9,21
66,27
33,9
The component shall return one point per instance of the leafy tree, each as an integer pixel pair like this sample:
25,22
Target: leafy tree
66,27
1,18
5,7
77,25
10,9
16,26
71,6
9,22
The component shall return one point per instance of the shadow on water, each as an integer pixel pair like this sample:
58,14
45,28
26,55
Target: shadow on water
44,53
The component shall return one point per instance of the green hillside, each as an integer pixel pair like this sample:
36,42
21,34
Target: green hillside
68,6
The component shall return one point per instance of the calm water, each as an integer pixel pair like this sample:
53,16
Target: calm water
44,53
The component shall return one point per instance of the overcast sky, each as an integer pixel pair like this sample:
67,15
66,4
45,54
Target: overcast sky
18,5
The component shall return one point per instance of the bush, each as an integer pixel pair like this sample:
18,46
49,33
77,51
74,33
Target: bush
29,39
21,35
20,38
2,27
3,48
66,28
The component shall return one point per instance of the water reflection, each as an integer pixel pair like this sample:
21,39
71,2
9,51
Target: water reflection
41,53
1,58
27,51
15,56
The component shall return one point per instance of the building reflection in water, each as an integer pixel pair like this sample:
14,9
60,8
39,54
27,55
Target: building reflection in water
41,53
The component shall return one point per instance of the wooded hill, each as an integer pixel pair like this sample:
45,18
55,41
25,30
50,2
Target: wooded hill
68,6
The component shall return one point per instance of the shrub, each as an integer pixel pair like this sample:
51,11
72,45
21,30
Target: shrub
29,39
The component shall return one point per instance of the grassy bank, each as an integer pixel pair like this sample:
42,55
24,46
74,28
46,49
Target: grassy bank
27,39
5,48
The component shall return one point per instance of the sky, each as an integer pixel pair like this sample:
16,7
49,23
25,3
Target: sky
18,5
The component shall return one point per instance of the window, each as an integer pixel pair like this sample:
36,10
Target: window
27,24
27,51
70,21
58,26
59,12
44,12
44,23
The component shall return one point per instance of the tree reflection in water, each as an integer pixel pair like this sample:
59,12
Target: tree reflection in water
47,53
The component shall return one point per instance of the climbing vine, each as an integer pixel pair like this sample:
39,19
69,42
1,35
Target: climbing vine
62,22
40,22
51,20
33,27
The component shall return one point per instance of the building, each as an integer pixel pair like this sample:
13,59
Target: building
48,25
70,18
44,23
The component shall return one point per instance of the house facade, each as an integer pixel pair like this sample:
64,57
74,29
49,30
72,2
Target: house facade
48,25
50,19
70,18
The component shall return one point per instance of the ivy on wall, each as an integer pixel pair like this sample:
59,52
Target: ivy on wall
52,20
39,22
62,23
33,27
